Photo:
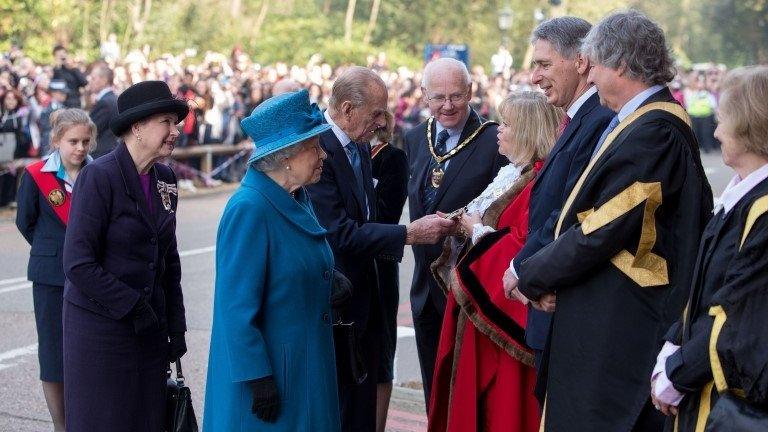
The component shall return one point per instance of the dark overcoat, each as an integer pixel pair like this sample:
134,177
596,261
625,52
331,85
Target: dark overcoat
118,249
390,170
356,241
103,111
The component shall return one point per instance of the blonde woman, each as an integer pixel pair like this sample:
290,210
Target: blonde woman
44,197
483,364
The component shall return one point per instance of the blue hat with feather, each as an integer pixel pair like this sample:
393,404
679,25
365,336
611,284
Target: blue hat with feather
281,122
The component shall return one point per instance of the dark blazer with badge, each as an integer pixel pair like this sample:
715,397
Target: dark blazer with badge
356,241
104,110
43,230
467,175
724,268
621,267
116,251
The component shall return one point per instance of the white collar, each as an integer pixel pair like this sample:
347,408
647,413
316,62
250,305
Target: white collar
53,164
340,134
636,101
574,108
103,91
738,188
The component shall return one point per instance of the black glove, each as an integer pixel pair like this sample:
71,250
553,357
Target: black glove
341,290
177,346
266,401
144,318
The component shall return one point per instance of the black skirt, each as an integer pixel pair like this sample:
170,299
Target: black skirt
48,300
113,379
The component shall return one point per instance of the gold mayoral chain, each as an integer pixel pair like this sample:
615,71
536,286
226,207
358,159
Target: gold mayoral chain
438,173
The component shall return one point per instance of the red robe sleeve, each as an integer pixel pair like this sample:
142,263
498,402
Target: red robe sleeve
480,275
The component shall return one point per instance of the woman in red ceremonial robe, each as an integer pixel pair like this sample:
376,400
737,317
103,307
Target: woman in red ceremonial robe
484,374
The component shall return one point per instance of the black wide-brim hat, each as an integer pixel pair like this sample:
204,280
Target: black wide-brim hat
145,99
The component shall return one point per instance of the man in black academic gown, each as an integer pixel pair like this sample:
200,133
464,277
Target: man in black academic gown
452,157
618,272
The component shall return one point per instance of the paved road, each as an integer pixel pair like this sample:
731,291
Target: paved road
22,407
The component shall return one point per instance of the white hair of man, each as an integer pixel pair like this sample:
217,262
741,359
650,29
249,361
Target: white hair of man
444,64
630,39
354,85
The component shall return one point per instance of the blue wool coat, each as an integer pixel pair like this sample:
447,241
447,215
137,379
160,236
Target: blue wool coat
271,313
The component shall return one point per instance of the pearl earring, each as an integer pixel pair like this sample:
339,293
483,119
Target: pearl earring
288,167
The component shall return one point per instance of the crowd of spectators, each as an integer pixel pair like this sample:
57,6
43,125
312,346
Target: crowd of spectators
221,89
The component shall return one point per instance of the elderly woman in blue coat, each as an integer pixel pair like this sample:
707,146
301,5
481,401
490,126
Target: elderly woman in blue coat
271,364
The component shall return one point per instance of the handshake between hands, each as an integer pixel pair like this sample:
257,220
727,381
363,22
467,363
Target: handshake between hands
545,304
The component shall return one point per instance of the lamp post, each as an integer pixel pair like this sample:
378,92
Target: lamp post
505,23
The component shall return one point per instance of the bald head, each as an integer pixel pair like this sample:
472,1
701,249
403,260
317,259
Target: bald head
444,66
285,85
448,88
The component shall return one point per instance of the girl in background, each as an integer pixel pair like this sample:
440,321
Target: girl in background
44,198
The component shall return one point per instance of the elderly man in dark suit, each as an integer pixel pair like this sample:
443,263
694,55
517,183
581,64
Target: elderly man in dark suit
561,72
626,239
345,203
104,109
452,157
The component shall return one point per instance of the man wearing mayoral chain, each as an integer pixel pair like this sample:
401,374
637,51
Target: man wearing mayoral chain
452,157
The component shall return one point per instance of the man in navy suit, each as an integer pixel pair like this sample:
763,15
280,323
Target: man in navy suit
561,71
452,157
345,204
104,109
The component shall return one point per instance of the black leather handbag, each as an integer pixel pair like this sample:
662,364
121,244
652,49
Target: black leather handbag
734,414
344,336
179,413
347,352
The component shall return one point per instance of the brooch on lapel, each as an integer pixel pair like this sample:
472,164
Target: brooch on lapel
166,190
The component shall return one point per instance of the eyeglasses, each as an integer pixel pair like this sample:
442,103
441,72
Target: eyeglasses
454,98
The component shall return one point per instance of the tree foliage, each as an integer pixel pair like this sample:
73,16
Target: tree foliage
734,32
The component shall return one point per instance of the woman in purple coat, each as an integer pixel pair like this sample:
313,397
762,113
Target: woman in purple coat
123,309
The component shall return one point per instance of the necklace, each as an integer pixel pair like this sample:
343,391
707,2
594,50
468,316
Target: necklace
458,148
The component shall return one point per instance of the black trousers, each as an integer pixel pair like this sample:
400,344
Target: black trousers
357,402
427,326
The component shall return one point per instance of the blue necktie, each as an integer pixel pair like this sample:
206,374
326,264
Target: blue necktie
430,192
353,151
611,126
